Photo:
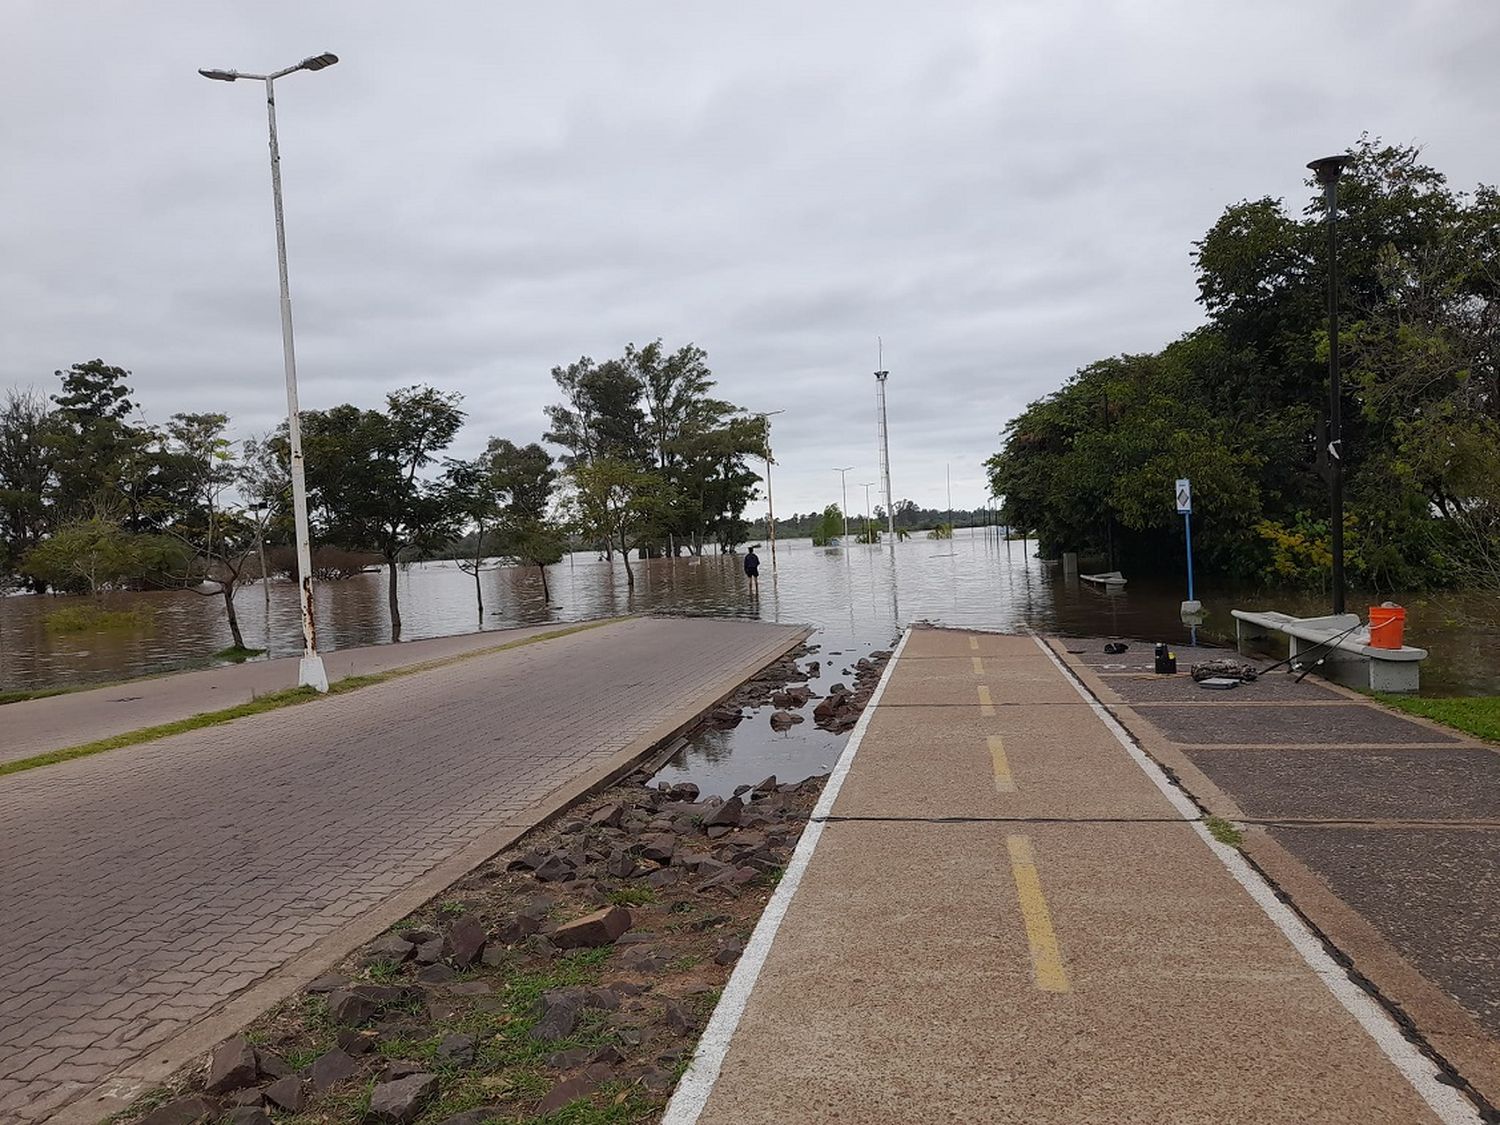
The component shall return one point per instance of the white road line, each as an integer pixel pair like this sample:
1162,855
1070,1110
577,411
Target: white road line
1451,1107
696,1085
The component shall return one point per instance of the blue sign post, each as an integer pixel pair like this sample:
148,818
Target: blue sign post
1185,509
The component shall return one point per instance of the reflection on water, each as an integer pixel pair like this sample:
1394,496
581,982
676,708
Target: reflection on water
857,598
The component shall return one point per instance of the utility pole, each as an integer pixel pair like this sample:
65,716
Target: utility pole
265,579
770,507
844,488
1327,170
867,485
885,440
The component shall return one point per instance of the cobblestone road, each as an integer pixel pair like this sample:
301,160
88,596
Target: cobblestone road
143,887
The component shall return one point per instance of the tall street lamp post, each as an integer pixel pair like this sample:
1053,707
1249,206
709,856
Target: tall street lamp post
770,507
311,672
867,485
1327,170
844,487
259,508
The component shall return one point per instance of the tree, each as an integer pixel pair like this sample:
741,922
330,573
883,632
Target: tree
473,496
93,554
616,502
25,470
527,532
364,476
830,526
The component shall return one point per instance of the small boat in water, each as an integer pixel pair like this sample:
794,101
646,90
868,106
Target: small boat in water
1110,579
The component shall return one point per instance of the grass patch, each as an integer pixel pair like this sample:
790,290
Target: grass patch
632,896
95,619
39,693
1478,715
1223,831
236,655
272,702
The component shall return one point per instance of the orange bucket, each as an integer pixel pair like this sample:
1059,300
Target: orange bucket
1387,626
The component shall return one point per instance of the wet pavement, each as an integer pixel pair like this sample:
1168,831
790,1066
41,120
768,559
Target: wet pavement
1347,792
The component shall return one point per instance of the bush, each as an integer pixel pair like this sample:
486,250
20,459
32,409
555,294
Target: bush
92,618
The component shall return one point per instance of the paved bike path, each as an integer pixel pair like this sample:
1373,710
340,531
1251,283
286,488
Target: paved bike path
1006,919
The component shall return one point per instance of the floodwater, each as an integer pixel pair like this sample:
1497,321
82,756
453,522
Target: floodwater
858,598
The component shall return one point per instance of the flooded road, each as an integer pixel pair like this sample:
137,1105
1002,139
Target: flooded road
858,599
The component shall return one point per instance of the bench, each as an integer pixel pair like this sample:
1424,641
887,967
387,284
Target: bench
1351,660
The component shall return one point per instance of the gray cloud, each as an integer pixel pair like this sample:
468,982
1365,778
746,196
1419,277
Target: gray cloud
479,192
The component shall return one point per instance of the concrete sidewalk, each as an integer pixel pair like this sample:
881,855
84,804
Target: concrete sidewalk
157,897
1006,918
72,719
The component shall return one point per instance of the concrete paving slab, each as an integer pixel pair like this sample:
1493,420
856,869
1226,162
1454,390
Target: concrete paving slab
901,989
941,761
1331,724
1358,783
1434,893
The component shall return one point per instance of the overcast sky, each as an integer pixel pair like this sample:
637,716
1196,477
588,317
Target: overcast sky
480,191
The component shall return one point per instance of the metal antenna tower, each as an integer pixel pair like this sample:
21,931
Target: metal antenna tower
885,439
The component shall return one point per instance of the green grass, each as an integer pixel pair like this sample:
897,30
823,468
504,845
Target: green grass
39,693
95,619
1478,715
1222,831
238,655
272,702
632,896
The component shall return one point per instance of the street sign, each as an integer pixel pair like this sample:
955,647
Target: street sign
1184,497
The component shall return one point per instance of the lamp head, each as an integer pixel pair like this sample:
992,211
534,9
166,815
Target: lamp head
220,75
318,62
1328,169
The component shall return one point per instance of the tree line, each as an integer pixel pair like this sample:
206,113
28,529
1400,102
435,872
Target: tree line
93,498
1238,405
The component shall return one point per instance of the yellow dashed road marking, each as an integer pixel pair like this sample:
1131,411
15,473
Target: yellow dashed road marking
1004,783
1046,961
978,665
974,643
986,704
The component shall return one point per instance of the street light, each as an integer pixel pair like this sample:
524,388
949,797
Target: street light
770,507
845,487
259,508
867,485
1327,170
311,672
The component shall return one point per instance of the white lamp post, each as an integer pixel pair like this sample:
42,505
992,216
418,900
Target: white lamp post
311,672
765,415
844,487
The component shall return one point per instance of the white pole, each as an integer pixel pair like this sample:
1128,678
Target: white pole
311,672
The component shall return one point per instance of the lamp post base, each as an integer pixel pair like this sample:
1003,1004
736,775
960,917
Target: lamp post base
310,673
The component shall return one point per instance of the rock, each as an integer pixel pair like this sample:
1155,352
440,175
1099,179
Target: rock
402,1100
437,974
659,849
556,869
253,1096
248,1115
538,907
782,720
397,1069
515,930
328,982
728,953
539,945
681,791
390,948
331,1068
557,1022
717,831
826,709
607,816
429,952
677,1019
563,1093
727,814
287,1093
710,922
194,1109
663,878
465,942
349,1009
657,1080
420,935
566,1060
527,861
643,960
231,1067
592,930
608,1054
456,1049
271,1065
619,864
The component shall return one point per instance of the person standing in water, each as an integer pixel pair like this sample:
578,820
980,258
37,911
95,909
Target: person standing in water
752,571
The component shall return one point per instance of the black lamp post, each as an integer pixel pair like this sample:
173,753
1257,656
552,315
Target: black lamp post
1328,170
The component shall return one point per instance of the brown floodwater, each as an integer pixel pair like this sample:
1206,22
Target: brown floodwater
858,599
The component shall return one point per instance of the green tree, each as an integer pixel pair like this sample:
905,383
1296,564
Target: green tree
25,470
364,477
615,502
527,531
91,555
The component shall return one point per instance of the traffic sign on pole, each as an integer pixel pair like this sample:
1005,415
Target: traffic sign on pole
1185,509
1184,497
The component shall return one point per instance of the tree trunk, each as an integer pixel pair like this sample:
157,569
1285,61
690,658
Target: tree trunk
234,622
391,597
478,559
625,554
546,593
